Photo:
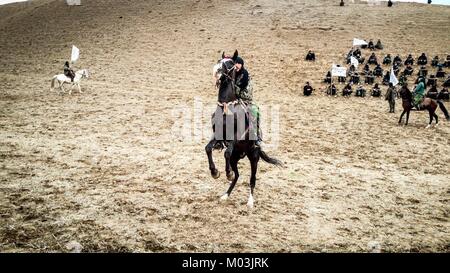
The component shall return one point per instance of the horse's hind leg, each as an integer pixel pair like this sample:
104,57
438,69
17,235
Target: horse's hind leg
228,153
431,119
254,158
407,117
70,90
61,87
233,162
209,148
436,118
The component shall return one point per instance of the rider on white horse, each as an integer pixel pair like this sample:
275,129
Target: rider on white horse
63,79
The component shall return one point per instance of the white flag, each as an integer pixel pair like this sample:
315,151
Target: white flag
393,78
354,61
359,42
338,71
75,54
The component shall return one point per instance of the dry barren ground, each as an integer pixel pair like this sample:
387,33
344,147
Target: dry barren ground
108,170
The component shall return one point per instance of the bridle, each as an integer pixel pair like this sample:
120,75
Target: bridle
229,77
228,70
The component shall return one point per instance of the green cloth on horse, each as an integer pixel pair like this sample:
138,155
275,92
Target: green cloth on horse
419,93
254,118
246,96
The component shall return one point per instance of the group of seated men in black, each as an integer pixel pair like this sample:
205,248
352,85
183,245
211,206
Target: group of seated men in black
435,94
373,46
347,90
397,62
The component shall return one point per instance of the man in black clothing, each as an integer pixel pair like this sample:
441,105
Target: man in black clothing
311,56
387,78
68,72
370,78
432,80
355,78
433,92
331,90
378,71
422,60
366,69
360,91
409,60
370,45
447,82
387,59
440,72
376,91
435,61
447,61
379,45
396,68
307,89
347,91
444,95
372,59
408,71
423,72
327,77
397,60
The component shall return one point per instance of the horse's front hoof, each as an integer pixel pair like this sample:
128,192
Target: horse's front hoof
250,202
215,174
428,126
224,197
230,176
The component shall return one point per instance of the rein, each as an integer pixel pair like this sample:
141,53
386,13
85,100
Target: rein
226,104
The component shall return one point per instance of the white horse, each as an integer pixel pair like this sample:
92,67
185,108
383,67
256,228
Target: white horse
63,79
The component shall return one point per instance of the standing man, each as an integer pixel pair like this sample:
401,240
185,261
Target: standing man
391,95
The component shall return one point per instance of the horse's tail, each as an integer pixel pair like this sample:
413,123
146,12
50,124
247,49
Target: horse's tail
53,82
270,160
442,106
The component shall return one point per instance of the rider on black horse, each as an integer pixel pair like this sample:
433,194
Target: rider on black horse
244,92
68,72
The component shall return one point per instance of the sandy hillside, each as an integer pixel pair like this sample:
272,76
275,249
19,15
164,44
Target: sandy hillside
108,170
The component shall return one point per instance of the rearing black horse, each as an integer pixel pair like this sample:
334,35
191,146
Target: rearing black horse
236,137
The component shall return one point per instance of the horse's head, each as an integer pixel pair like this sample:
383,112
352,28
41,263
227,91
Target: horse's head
224,68
224,73
85,73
